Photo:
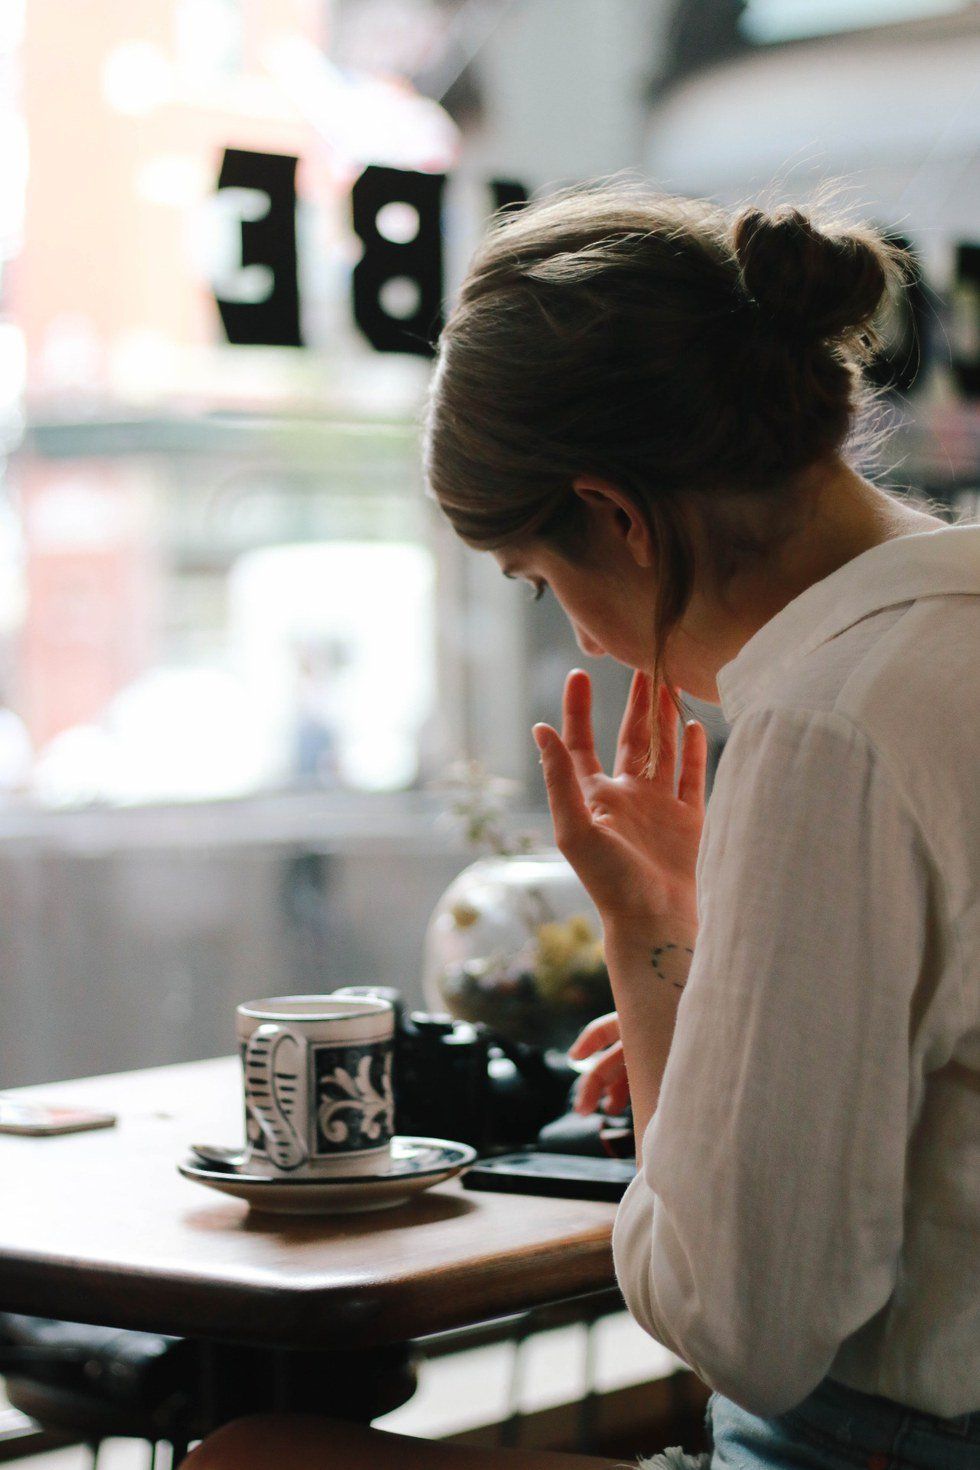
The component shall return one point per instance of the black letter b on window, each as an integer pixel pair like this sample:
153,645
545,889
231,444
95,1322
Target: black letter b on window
398,280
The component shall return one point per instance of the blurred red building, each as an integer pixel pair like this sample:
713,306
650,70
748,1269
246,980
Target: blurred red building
127,112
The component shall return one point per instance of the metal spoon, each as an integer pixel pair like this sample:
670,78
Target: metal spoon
218,1157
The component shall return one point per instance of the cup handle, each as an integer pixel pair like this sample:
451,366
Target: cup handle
274,1091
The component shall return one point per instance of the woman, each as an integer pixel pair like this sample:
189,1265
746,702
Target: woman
643,406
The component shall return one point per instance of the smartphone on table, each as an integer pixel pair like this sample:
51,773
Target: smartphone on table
571,1176
40,1120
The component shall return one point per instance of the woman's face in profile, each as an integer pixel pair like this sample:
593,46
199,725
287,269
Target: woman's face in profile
582,594
611,611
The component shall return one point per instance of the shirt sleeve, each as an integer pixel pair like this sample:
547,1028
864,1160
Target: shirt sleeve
765,1224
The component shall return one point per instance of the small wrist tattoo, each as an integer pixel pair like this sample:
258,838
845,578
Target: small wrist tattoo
661,962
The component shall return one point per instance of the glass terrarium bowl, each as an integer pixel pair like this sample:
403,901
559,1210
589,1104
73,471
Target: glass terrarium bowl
516,942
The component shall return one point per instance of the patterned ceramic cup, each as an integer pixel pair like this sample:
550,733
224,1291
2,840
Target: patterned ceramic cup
317,1072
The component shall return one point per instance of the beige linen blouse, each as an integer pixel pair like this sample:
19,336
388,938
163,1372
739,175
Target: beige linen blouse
809,1201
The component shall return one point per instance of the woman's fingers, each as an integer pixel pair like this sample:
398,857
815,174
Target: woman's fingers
694,764
577,723
570,815
618,1096
593,1037
633,743
607,1076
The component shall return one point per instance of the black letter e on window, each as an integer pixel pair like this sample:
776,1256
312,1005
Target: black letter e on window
258,294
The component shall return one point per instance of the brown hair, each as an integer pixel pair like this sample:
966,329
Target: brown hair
696,361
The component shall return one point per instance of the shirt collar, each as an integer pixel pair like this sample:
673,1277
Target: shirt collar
926,564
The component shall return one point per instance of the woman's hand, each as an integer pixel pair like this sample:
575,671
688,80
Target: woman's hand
605,1084
632,841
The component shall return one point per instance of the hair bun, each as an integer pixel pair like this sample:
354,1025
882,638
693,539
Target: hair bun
814,284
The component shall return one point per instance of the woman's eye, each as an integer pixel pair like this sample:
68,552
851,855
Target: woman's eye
540,588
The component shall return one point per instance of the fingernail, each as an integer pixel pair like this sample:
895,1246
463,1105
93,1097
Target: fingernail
540,736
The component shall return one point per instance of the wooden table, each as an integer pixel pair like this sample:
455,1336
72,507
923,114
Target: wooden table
99,1227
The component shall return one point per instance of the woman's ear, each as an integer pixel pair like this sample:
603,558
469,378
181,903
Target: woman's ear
624,516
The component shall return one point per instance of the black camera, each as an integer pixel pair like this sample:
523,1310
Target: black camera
465,1081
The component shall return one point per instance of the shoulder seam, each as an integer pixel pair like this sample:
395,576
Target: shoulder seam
899,788
807,716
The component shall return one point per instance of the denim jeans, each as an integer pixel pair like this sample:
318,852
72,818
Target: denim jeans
834,1428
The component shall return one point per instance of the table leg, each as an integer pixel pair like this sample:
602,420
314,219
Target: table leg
355,1385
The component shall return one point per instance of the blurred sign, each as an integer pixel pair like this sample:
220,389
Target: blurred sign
398,284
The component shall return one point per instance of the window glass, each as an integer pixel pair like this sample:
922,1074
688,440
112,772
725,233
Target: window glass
216,561
764,21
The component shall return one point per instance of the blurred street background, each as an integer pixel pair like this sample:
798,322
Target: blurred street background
236,641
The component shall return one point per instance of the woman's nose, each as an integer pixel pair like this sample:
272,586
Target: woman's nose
588,645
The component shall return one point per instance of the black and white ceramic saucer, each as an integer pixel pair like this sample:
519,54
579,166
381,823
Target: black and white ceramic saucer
415,1164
